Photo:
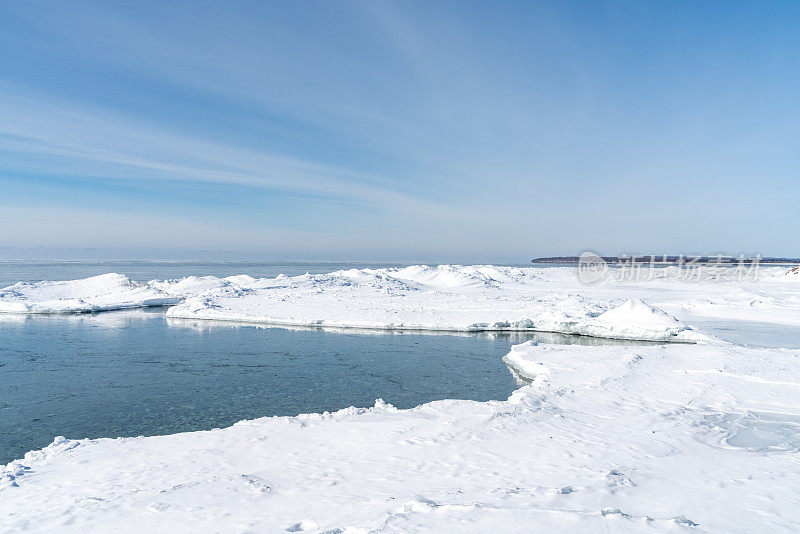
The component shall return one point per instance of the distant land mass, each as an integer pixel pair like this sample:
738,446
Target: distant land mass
661,259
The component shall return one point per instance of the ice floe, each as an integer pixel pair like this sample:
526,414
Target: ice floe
496,298
99,293
443,298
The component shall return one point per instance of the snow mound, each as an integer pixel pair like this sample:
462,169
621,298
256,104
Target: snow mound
447,276
198,285
186,287
99,293
17,468
637,320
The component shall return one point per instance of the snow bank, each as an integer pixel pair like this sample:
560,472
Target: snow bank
672,437
557,365
444,298
635,319
450,298
197,285
98,293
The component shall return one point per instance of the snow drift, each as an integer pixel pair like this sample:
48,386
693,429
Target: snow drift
98,293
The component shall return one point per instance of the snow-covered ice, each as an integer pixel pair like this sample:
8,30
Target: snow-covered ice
676,436
98,293
444,298
475,298
607,438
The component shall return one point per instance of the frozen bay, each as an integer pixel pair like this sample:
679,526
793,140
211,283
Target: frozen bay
597,435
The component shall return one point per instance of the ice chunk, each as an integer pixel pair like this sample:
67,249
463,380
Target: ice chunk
637,320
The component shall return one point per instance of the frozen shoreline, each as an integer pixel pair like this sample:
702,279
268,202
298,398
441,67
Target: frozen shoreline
620,438
447,298
623,438
107,292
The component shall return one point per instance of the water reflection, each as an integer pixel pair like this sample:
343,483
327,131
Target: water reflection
512,337
105,319
124,318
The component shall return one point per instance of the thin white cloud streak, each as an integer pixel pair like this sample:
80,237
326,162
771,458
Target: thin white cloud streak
457,125
65,129
514,157
426,109
88,141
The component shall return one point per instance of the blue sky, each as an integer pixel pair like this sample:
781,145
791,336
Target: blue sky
460,131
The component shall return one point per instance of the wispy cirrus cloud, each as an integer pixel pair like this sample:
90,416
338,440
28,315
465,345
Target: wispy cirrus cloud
131,149
450,127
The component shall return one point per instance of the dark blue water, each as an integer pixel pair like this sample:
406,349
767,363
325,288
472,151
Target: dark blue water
131,373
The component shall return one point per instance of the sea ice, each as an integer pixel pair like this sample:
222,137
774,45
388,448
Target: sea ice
98,293
601,438
443,298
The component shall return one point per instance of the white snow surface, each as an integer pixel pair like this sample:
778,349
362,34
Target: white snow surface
99,293
496,298
445,298
627,438
673,437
